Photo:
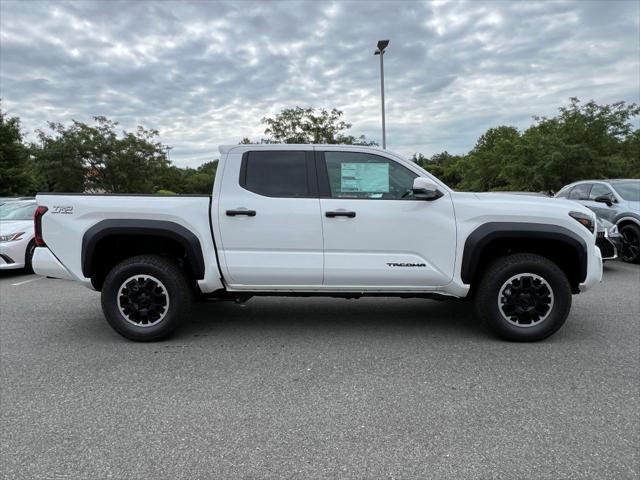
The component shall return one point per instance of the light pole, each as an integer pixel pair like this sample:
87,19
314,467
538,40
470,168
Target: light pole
382,44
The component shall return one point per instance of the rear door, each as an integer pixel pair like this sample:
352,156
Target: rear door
269,220
377,236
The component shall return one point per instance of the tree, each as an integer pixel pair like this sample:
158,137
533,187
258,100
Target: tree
58,162
187,180
305,125
582,141
93,157
16,174
448,168
486,163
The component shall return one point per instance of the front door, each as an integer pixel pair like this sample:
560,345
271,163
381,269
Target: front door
601,209
376,234
269,220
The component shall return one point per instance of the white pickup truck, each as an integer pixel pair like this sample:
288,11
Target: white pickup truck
330,220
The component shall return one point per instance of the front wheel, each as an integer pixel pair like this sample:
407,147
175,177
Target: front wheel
630,251
523,297
145,298
28,257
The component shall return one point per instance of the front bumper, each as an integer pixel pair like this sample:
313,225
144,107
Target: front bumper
12,254
594,270
607,248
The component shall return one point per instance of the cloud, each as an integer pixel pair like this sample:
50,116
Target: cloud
205,73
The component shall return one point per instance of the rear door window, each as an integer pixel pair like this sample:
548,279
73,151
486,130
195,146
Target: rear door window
278,173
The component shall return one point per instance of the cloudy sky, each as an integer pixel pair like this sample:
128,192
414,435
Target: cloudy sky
204,73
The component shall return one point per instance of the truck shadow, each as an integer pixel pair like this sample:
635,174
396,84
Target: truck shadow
18,272
311,316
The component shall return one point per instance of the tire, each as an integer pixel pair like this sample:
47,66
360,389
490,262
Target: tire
630,251
145,298
28,257
523,297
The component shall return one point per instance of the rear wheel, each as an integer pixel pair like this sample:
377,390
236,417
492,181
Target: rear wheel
523,297
144,298
630,251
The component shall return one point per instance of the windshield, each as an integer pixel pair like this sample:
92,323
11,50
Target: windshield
628,190
17,211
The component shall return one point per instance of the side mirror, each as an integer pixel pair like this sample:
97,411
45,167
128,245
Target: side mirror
604,199
425,189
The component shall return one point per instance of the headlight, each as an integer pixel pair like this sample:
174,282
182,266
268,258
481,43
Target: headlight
11,237
585,219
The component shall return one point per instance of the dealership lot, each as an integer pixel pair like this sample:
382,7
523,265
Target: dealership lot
317,388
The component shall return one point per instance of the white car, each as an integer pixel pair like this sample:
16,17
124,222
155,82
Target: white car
331,220
16,234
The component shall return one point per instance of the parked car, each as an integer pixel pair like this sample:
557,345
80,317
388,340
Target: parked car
329,220
17,242
4,200
617,201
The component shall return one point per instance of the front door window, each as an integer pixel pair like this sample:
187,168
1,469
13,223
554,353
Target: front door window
363,175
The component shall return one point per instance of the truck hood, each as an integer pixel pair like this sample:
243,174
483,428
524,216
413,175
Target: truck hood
532,200
513,204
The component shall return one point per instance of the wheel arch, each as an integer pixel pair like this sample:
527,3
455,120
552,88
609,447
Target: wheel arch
626,220
129,237
564,247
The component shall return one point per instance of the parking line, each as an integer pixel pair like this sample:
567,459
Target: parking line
26,281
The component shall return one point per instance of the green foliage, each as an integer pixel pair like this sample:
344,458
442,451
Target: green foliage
582,141
305,125
95,158
58,163
16,173
443,165
187,180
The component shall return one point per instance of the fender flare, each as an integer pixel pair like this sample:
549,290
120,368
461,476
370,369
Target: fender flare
159,228
485,234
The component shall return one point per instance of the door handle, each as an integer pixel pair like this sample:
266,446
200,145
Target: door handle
234,213
340,213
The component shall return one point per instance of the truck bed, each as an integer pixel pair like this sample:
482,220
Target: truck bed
69,216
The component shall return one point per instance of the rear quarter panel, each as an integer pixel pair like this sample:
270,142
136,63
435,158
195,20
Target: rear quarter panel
70,216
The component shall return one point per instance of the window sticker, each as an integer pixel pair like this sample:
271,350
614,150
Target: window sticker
364,177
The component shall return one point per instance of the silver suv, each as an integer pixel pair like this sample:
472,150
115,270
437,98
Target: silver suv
617,201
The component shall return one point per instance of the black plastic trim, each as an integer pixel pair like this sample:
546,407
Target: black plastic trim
7,258
160,228
213,238
235,213
489,232
340,213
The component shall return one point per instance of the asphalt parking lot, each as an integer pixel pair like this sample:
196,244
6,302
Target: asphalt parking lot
318,388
